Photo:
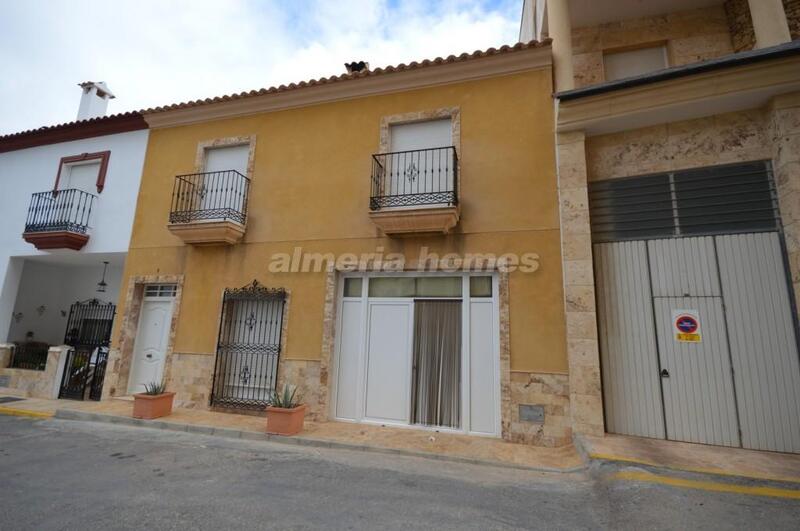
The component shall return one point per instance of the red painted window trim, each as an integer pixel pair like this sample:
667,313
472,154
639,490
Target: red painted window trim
102,156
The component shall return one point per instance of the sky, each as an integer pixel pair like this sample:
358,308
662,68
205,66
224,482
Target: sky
154,53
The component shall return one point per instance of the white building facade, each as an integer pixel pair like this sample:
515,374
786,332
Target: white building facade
66,211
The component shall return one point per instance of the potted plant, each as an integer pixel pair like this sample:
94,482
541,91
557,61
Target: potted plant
155,402
285,412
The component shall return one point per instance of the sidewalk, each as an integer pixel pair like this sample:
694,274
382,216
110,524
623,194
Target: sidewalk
666,455
698,458
423,443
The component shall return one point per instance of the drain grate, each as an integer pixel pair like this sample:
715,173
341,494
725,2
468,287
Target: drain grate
7,399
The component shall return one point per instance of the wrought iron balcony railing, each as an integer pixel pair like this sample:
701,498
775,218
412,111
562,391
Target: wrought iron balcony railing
419,177
60,210
210,196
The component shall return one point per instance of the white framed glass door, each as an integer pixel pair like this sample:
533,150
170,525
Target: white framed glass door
418,350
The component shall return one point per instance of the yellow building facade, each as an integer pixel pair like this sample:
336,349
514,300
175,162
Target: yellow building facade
312,155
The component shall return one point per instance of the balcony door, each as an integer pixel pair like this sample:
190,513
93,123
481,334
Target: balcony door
80,177
77,186
221,188
416,166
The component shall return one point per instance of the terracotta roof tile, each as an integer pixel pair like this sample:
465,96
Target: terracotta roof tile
477,54
77,130
88,121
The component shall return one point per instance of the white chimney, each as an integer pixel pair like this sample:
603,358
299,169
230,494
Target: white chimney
94,99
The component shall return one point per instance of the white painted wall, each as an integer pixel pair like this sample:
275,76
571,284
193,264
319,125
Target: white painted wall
56,287
32,170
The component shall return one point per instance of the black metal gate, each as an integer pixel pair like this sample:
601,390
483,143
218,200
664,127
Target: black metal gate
88,334
248,348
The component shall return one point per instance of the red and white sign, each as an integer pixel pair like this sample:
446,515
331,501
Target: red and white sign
686,325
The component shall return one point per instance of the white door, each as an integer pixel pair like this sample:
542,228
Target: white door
374,353
699,403
388,385
150,347
224,189
415,165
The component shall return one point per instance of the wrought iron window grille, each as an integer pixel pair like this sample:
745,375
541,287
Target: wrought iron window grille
29,355
248,347
255,290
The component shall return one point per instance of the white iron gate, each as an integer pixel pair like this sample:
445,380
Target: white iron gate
739,385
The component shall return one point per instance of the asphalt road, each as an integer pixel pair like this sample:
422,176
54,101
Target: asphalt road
75,475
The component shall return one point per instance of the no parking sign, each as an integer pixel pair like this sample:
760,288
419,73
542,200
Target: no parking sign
686,325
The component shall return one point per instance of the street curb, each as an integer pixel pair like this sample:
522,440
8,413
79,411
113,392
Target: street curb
608,458
15,412
66,414
589,457
771,489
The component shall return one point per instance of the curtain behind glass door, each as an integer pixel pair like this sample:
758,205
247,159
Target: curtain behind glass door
436,376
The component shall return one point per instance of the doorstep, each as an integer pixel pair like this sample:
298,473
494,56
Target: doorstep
690,457
401,441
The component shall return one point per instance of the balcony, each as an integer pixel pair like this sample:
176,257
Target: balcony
415,191
209,208
59,219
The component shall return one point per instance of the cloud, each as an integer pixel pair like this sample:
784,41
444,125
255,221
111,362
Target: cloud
158,52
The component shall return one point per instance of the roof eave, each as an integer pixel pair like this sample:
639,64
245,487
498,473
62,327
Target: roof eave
108,125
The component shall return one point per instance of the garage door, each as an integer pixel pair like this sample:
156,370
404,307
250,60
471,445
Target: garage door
697,326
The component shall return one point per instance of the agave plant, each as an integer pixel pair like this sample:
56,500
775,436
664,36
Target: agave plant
286,400
155,388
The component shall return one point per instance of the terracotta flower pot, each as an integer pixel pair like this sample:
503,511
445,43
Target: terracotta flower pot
281,421
152,406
